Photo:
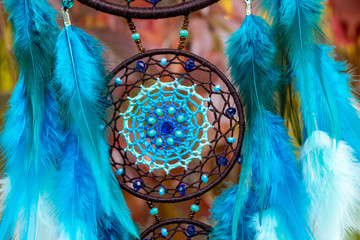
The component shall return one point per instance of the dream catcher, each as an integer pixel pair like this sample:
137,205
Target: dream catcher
176,123
176,127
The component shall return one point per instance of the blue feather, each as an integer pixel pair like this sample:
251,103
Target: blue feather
20,205
80,78
251,52
222,213
299,30
76,197
338,81
30,136
35,31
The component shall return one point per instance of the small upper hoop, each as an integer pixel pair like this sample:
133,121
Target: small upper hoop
152,12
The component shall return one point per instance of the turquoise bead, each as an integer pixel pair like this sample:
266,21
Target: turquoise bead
118,80
180,118
217,88
195,208
184,33
161,191
135,36
119,172
164,232
154,211
178,133
204,178
163,61
151,120
67,3
159,142
159,112
171,110
102,127
170,141
151,133
231,140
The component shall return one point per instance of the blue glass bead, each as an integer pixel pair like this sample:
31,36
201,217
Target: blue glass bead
167,127
140,66
184,33
230,112
161,191
182,189
137,185
189,65
240,159
153,1
178,133
135,36
119,172
154,211
67,3
151,133
190,231
159,142
163,61
118,80
222,161
231,140
195,208
217,88
159,112
204,178
164,232
180,119
171,110
151,120
170,141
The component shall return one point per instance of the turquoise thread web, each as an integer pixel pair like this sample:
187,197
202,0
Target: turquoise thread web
163,95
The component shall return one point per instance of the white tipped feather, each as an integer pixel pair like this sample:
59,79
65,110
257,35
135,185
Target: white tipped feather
269,228
332,178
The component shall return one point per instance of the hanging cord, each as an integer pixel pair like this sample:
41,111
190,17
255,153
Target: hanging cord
136,36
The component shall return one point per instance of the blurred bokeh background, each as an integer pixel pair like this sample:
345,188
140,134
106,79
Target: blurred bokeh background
209,29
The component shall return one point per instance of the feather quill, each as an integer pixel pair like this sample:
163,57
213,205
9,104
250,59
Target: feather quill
80,77
30,136
330,173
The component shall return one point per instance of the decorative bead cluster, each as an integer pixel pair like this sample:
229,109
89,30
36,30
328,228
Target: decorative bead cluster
184,33
135,35
161,125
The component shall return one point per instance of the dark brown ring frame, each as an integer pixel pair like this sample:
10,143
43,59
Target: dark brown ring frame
238,105
126,11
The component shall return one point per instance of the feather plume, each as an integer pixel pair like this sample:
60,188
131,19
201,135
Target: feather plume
80,78
35,31
30,136
299,28
76,196
286,199
222,213
330,173
339,81
251,52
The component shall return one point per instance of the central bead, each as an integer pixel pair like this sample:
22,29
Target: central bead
167,127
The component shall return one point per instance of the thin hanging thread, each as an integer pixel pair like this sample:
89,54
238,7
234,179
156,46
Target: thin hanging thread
136,36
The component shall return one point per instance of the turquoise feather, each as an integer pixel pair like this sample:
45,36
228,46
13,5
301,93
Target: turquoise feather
251,52
31,135
35,31
80,79
299,30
